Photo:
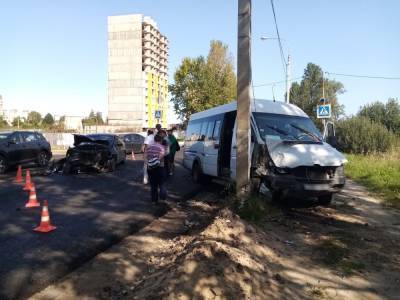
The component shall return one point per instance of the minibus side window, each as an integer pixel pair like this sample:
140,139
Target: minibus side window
193,131
203,130
210,130
217,129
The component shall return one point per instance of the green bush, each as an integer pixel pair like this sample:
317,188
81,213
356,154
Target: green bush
360,135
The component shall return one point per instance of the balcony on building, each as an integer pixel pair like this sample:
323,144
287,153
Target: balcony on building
147,45
147,36
147,61
147,53
146,28
164,62
146,68
163,54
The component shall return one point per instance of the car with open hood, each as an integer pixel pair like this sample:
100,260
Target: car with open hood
101,152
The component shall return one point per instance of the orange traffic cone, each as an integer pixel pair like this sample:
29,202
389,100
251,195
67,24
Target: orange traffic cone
45,225
19,178
28,182
32,201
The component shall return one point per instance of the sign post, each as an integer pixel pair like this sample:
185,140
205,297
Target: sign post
324,111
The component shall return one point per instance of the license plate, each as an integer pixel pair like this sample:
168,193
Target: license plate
316,187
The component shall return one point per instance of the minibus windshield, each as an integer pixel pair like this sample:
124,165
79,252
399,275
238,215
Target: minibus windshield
286,128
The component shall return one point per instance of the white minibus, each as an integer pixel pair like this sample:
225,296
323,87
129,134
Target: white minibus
288,153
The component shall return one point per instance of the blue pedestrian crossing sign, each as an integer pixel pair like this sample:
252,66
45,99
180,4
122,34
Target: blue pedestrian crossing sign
324,111
157,114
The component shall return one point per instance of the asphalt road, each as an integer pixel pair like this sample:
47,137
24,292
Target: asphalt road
91,212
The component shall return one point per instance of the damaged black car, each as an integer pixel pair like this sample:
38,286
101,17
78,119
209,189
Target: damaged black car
100,152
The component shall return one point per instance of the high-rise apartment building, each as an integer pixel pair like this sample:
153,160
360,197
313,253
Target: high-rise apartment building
137,72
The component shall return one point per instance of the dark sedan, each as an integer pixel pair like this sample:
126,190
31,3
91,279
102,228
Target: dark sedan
95,151
22,147
133,142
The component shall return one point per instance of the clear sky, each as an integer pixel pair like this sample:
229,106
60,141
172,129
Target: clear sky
53,54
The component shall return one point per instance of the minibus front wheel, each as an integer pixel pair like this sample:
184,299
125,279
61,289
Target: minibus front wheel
197,173
325,200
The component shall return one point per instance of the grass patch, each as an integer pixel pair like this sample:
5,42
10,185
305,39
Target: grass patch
316,292
380,174
332,251
350,267
254,208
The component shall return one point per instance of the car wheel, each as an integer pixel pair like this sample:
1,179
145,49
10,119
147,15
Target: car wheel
197,174
276,196
43,159
325,199
66,168
123,158
3,164
112,164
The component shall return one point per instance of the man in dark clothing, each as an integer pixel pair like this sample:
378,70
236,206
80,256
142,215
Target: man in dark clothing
173,147
154,155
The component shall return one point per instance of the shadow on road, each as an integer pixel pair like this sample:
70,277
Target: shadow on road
91,212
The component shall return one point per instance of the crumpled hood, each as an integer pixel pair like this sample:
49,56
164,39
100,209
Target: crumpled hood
79,139
295,155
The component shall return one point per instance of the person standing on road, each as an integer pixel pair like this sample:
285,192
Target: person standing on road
158,128
149,140
154,156
173,147
165,143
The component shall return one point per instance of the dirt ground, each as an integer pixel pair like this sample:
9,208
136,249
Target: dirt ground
200,250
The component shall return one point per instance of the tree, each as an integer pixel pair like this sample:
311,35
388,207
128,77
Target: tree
34,118
374,111
16,121
99,118
202,83
3,123
308,92
361,135
387,114
48,120
93,119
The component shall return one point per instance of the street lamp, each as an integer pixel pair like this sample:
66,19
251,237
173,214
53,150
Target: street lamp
287,70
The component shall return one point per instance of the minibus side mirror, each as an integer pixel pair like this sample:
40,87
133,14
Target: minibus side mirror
332,140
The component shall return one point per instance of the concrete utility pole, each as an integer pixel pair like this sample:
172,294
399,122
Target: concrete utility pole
243,97
288,83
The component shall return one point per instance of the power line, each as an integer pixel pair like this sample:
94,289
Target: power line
279,38
364,76
330,73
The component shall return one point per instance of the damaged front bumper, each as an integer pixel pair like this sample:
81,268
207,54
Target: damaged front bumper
308,181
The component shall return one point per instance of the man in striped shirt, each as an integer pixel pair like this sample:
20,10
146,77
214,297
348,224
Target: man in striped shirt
154,155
